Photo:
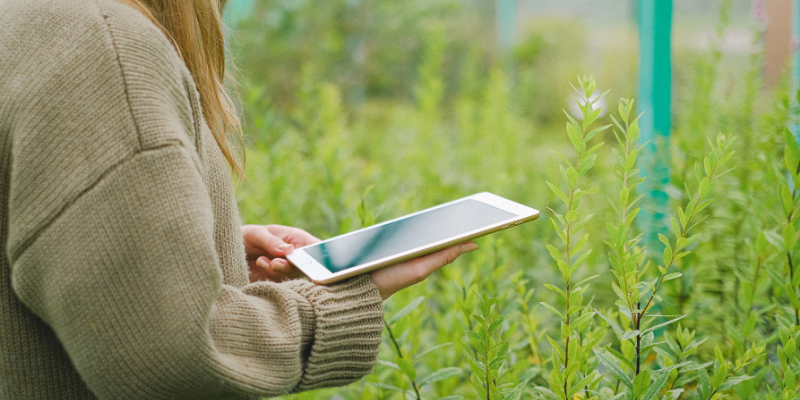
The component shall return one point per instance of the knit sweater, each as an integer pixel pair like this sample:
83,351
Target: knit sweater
124,275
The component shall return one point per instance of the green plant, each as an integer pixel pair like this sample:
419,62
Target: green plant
566,378
637,294
431,117
491,346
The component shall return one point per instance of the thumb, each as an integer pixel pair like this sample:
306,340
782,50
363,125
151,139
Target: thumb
270,243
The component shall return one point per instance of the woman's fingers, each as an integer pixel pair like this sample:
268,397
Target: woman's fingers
400,276
276,270
260,241
295,236
266,247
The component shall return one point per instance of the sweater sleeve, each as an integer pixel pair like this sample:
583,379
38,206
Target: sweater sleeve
126,276
111,230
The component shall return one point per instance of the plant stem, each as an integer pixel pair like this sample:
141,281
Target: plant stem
789,254
791,279
400,354
684,230
638,323
486,343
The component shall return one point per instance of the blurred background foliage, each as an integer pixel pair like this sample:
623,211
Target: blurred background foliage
407,104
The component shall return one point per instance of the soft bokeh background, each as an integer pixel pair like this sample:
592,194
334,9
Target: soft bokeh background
403,105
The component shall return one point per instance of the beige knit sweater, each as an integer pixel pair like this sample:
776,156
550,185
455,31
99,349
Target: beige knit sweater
124,274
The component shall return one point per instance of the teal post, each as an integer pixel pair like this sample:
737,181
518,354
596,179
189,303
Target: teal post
654,99
237,10
796,36
505,23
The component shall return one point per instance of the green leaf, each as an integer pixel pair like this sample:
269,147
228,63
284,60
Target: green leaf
674,275
389,364
718,354
440,375
719,376
587,164
554,253
558,192
703,384
682,216
654,327
406,310
556,347
640,384
432,349
667,256
614,368
591,116
750,325
581,384
583,281
676,229
789,237
663,239
574,137
659,379
630,335
572,177
583,320
792,296
787,200
621,357
789,347
732,381
557,290
774,239
407,368
791,145
610,322
384,386
553,309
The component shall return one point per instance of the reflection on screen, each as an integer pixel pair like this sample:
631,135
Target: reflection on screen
406,234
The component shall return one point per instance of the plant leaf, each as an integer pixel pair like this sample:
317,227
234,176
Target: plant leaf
407,309
440,375
614,368
654,327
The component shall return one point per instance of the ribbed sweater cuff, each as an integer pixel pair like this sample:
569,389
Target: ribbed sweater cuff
343,334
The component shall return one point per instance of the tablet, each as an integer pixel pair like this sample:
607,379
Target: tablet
409,236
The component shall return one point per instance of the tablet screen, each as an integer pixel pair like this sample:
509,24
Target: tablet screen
406,234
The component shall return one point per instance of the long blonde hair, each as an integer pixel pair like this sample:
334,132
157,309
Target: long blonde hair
195,29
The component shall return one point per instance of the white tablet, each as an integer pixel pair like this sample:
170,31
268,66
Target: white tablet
409,236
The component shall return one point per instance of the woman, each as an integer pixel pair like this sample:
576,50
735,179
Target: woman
125,275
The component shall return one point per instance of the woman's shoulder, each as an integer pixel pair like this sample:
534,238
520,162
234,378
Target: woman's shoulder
81,31
90,60
85,85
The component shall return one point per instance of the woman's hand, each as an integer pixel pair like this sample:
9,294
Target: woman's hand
400,276
265,247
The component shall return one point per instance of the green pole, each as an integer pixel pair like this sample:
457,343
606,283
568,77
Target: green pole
654,99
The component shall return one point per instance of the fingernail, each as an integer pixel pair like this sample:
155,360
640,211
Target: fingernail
278,266
468,247
285,246
262,262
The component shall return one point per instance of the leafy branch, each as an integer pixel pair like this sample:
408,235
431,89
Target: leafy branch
563,379
629,264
